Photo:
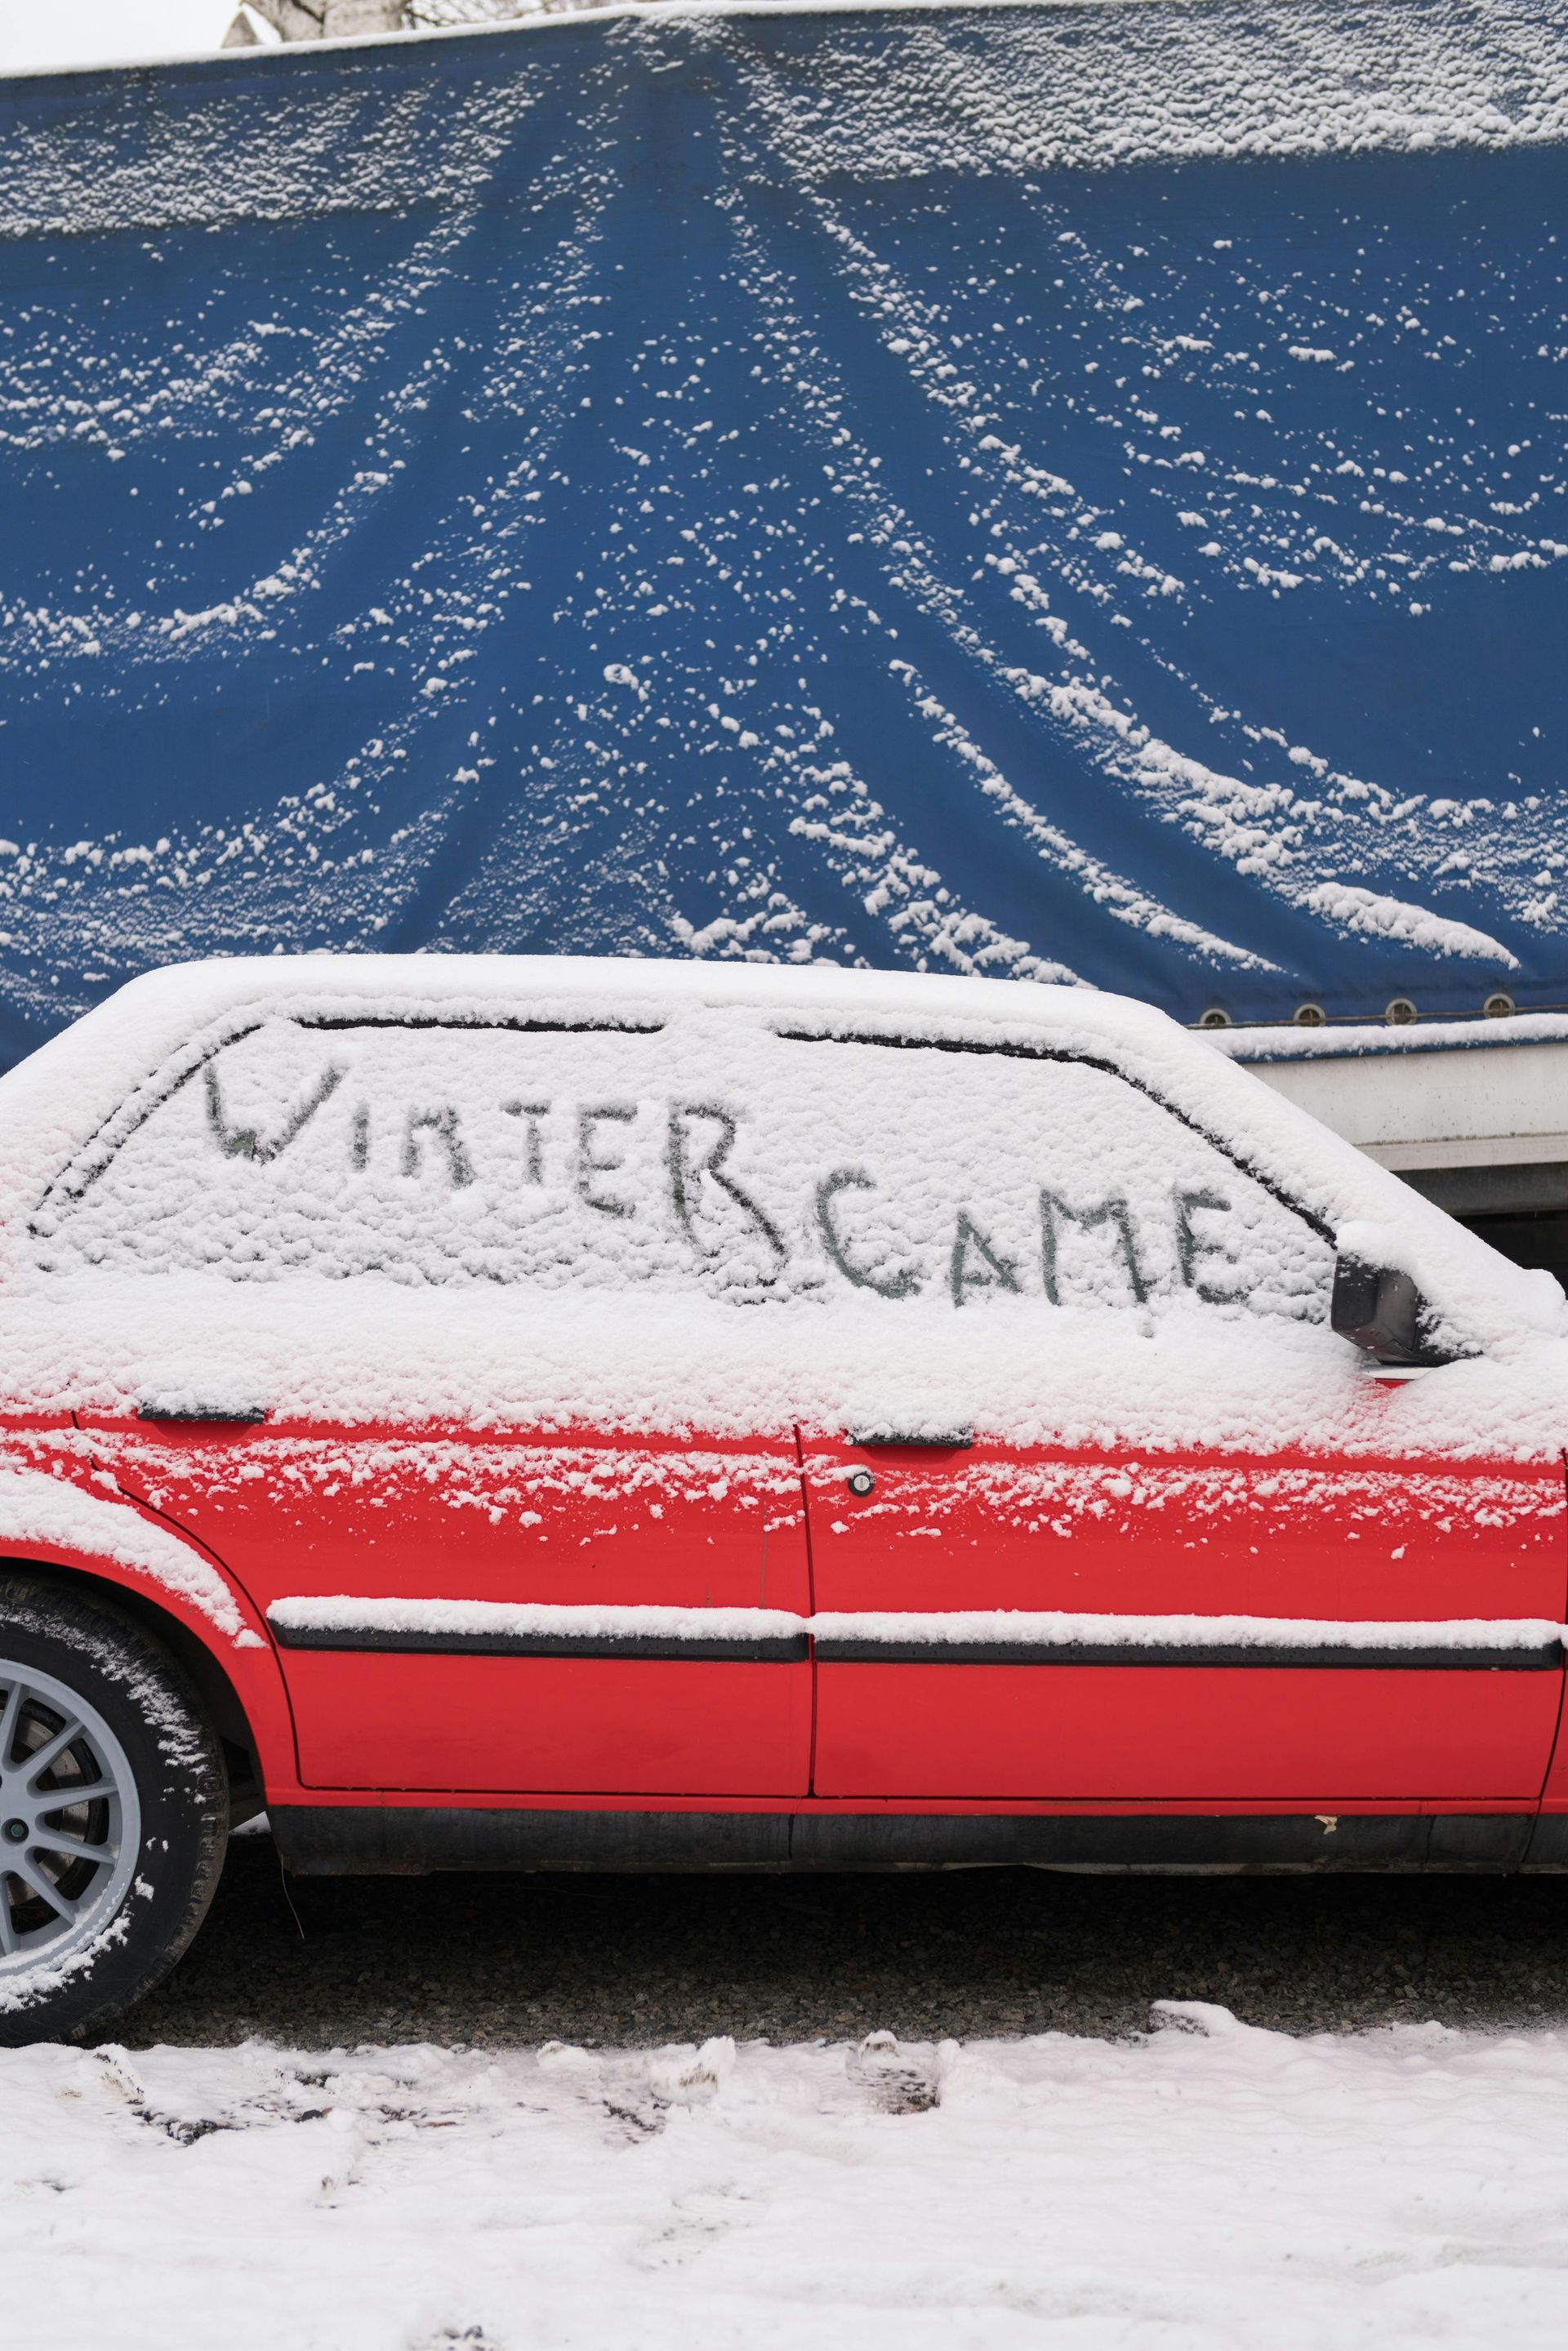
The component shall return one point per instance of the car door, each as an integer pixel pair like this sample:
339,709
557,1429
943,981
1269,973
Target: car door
372,1277
1170,1592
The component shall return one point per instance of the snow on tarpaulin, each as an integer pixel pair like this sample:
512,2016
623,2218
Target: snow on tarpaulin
1059,492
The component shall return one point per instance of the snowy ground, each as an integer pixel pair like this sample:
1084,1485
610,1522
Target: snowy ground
1209,2185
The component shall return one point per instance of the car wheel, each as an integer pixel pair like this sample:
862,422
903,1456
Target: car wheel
113,1812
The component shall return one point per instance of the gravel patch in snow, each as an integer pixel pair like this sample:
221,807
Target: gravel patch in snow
505,1962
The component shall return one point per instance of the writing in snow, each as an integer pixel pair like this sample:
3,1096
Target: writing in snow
579,1158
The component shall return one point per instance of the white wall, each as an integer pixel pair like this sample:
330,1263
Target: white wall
1475,1106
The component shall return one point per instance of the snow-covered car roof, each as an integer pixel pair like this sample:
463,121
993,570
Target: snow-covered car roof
55,1102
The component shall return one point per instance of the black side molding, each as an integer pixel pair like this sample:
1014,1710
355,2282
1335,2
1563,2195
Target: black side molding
795,1647
370,1840
789,1648
1544,1656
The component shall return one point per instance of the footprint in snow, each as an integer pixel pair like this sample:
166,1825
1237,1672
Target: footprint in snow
639,2092
901,2079
696,2220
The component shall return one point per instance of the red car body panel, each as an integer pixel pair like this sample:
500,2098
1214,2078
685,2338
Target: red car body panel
567,1518
594,1727
984,1528
1184,1734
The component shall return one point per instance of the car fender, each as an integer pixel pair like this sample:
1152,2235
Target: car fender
48,1520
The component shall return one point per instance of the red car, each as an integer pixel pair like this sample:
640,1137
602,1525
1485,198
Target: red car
510,1412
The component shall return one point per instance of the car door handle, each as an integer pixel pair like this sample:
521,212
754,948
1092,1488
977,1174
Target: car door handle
956,1440
243,1415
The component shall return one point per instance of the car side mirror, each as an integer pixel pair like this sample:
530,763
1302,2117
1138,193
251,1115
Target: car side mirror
1380,1309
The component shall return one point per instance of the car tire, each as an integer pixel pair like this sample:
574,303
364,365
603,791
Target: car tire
102,1891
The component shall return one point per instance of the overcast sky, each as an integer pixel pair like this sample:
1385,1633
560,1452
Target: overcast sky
41,33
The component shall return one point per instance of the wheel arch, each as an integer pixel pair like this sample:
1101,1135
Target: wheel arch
243,1693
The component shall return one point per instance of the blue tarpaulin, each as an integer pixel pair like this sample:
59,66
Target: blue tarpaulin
1070,492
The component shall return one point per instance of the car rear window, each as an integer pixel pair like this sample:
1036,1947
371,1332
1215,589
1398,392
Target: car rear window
712,1154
